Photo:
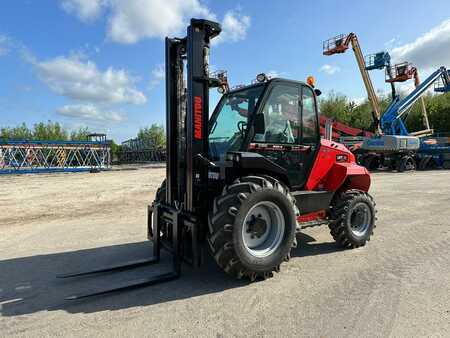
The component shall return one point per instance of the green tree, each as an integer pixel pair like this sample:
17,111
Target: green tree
338,106
116,150
21,132
49,131
81,134
154,135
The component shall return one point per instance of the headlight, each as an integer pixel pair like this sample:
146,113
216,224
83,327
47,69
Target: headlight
261,77
233,157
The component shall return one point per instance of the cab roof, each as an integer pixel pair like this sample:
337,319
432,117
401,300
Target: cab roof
276,79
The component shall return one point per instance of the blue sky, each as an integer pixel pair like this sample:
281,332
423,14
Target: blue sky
98,63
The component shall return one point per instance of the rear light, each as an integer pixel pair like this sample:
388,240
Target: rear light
342,158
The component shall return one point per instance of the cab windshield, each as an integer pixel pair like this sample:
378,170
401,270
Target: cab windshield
228,126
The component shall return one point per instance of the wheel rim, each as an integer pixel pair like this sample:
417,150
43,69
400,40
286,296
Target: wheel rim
263,229
360,219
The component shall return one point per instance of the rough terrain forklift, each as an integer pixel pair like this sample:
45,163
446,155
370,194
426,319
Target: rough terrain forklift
242,182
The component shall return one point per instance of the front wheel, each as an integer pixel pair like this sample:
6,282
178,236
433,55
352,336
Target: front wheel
353,218
252,227
405,163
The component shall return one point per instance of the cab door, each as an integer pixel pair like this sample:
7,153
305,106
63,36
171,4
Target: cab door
280,141
310,134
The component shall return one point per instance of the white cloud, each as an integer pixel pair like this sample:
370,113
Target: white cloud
5,44
158,75
81,80
394,42
133,20
90,112
234,27
429,51
130,21
272,74
85,10
329,69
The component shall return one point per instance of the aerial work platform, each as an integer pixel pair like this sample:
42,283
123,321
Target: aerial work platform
336,45
400,72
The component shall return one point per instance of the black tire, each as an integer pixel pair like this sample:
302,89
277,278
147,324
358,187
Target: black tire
343,209
371,162
160,196
226,223
427,163
405,163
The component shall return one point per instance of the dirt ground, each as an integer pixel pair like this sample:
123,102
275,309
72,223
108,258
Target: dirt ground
397,285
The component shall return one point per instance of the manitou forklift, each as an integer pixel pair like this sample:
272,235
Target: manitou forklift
242,182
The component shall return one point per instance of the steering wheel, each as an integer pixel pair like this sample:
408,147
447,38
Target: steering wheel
284,135
241,126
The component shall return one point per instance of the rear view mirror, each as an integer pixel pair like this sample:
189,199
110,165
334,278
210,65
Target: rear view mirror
318,92
259,125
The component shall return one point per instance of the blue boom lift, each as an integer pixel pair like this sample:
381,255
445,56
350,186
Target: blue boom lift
398,147
399,72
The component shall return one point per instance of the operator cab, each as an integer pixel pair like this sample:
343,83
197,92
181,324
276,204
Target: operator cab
277,119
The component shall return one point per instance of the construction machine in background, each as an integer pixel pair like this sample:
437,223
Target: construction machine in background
244,181
340,44
398,73
434,149
396,139
392,146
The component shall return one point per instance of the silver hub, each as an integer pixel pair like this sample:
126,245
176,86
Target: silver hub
360,219
263,229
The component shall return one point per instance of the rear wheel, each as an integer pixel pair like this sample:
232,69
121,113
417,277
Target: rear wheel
353,214
427,163
252,227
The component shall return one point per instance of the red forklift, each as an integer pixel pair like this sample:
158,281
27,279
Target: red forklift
243,181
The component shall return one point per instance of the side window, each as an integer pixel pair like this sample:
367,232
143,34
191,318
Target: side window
309,116
281,116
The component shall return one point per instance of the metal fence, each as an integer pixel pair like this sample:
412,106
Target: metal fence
24,157
141,151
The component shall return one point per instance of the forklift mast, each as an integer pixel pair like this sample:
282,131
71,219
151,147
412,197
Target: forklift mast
187,118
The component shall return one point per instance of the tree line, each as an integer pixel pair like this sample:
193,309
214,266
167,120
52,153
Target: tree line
43,131
345,110
155,135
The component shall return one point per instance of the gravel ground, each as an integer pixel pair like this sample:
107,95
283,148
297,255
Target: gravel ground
397,285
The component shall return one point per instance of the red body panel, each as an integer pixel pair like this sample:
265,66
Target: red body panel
329,173
313,216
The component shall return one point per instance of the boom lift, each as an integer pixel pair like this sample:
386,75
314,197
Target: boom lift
338,45
244,181
381,60
396,139
392,146
402,72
